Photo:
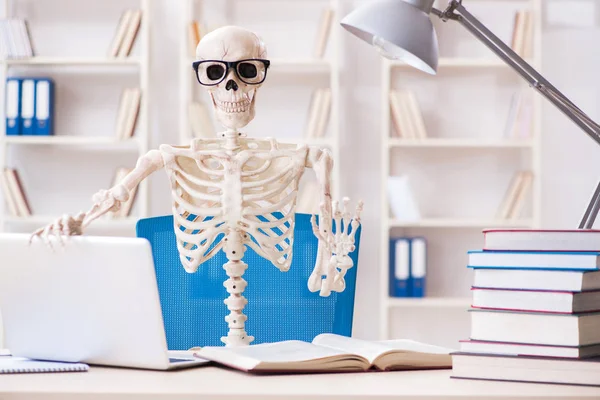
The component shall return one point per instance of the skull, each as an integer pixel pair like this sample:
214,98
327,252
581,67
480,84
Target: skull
234,96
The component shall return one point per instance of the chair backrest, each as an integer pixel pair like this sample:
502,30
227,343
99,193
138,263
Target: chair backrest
280,306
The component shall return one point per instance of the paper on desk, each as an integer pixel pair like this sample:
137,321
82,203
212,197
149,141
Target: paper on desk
4,352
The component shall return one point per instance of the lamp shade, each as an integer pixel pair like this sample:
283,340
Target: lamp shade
399,29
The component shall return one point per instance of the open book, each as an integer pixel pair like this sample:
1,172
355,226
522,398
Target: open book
330,353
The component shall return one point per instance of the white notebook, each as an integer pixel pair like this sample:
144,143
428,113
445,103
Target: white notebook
20,365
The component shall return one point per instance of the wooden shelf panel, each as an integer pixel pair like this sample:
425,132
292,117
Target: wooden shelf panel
459,62
461,143
461,223
437,302
73,61
41,220
70,140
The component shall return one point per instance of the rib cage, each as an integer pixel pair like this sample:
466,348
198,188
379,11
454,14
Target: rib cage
253,189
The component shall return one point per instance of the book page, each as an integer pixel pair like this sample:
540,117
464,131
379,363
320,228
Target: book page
363,348
411,345
249,357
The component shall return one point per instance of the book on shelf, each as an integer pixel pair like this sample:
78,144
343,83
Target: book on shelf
319,113
514,199
520,349
406,115
542,240
128,113
541,279
534,260
125,34
403,204
126,206
196,30
519,123
14,193
120,32
201,122
526,369
330,353
16,39
324,32
536,300
407,267
535,327
522,35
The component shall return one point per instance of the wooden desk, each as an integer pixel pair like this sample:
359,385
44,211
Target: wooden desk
215,383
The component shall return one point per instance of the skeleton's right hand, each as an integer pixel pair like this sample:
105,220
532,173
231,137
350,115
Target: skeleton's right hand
68,225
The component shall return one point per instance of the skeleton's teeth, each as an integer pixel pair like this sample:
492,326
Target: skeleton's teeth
241,106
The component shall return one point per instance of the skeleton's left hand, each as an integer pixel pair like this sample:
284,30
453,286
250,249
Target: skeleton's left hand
333,260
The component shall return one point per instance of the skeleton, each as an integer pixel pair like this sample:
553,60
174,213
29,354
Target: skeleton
231,192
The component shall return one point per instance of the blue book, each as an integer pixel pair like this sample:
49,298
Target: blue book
399,267
44,107
27,106
13,106
555,260
418,266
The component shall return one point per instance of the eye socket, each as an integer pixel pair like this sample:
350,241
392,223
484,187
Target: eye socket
247,70
215,72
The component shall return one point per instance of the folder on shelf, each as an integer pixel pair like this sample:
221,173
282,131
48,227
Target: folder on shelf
514,199
13,106
399,267
418,266
44,107
127,115
28,107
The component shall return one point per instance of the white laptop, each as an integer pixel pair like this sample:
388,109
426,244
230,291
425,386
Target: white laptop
93,301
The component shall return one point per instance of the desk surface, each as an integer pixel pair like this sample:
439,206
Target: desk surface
217,383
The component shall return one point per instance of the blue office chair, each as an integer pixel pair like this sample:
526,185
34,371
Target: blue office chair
280,306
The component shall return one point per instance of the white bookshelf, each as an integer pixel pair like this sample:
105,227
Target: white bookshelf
441,317
296,72
137,63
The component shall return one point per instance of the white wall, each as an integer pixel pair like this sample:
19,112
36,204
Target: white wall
570,161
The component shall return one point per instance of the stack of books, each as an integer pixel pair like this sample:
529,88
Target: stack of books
536,308
15,40
14,194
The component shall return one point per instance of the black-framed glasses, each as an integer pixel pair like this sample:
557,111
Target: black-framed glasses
212,72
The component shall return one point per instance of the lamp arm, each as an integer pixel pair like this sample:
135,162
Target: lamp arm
457,12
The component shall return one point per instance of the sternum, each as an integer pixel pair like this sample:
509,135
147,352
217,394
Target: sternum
232,195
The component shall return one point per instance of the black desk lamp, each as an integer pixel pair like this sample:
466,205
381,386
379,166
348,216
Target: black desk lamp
402,30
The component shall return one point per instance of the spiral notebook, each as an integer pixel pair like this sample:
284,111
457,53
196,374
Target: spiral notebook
20,365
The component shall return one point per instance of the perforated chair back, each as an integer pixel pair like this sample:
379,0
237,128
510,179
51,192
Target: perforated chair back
280,306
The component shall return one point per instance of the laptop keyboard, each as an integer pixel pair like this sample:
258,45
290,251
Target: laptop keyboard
177,360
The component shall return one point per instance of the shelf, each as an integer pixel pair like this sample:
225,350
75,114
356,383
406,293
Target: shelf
65,140
461,142
459,62
321,141
294,65
461,223
430,302
41,220
73,61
